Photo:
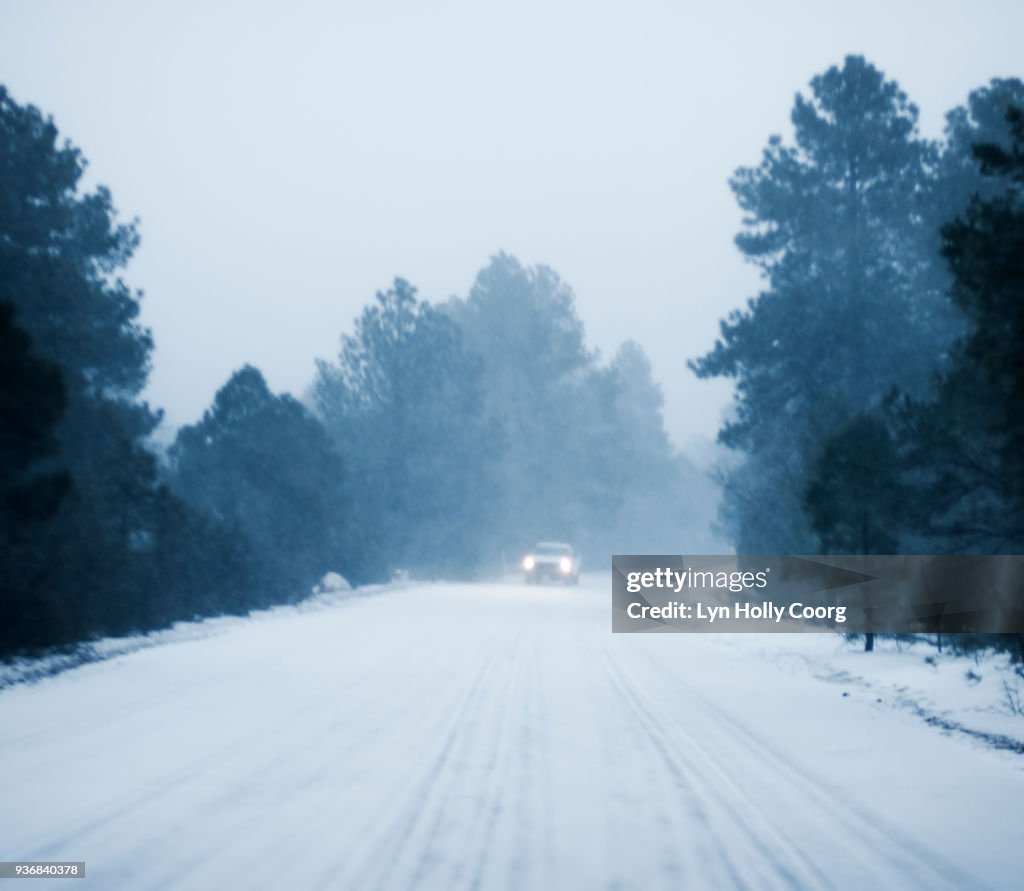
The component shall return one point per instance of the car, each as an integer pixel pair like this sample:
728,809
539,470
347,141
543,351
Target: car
552,560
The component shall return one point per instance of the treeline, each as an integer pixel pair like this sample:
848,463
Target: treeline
443,440
91,540
880,372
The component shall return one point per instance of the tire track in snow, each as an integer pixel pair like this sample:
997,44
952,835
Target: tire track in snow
498,774
149,796
884,849
151,792
789,867
315,794
494,739
921,865
382,855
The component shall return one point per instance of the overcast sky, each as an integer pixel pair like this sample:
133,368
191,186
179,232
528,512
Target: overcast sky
288,159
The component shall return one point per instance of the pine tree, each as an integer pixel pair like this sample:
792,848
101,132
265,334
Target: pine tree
404,406
540,393
965,446
852,303
93,566
263,464
32,400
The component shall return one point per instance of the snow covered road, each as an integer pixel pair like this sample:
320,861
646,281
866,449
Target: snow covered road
489,736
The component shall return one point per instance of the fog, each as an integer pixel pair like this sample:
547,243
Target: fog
287,160
450,309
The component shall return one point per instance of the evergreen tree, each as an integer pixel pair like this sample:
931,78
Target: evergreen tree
852,304
59,258
32,400
965,446
981,120
662,503
265,465
855,497
585,456
94,565
539,391
404,406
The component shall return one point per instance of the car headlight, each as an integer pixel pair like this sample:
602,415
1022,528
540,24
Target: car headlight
565,564
529,563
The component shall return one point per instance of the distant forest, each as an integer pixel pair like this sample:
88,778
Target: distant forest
878,375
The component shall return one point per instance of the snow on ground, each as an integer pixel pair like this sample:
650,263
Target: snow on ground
980,696
329,593
498,736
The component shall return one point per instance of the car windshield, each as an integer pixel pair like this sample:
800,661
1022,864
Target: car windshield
552,550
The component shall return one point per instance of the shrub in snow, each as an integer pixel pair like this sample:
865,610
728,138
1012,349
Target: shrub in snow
332,583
